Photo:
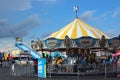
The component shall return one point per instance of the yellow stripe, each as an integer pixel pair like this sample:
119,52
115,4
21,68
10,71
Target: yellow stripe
74,32
91,29
66,31
96,36
53,34
84,32
101,33
98,31
56,33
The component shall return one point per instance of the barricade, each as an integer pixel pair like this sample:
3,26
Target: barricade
21,70
62,70
75,70
5,64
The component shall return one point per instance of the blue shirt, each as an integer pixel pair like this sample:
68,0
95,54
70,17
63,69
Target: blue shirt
0,55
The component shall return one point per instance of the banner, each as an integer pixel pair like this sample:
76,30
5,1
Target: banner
86,42
52,43
42,68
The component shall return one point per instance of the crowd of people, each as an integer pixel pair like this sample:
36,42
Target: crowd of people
70,60
76,58
4,56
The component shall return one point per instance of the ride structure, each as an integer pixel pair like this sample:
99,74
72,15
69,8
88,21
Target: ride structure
32,52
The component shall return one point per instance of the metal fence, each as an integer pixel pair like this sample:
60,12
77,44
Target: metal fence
4,64
84,69
75,70
21,70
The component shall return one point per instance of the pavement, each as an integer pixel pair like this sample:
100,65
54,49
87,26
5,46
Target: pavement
5,75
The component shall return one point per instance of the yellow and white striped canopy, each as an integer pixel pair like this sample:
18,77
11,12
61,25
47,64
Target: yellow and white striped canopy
77,29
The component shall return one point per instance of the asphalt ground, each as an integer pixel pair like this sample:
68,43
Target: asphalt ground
5,75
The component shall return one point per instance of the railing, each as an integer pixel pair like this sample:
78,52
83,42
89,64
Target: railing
75,70
107,69
21,70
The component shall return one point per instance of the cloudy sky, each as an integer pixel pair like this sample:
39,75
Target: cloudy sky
30,19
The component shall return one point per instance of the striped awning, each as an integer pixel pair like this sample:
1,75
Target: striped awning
77,29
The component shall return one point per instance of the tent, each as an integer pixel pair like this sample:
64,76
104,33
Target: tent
77,29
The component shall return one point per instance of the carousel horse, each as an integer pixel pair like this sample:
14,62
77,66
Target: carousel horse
33,44
39,44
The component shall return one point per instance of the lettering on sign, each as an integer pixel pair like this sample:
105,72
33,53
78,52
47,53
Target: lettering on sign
52,43
40,68
40,62
86,42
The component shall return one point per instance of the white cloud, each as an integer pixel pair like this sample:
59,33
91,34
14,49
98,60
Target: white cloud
43,0
116,13
44,35
7,45
112,32
87,15
20,5
3,22
20,29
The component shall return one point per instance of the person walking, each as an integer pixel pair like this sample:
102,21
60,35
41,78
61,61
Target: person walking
8,57
5,56
0,59
35,66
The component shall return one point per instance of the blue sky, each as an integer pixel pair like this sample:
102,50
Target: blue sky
30,19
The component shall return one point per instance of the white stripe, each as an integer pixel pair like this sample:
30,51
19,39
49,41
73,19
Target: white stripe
71,29
79,24
88,31
62,31
50,36
79,32
94,30
82,27
99,35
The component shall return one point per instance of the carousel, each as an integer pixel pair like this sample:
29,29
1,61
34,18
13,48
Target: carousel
78,37
77,47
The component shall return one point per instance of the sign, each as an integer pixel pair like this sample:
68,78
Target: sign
52,43
86,42
115,43
42,68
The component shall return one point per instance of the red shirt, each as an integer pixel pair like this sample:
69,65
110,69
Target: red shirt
35,63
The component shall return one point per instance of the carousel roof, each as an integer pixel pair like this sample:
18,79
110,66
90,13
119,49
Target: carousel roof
77,29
